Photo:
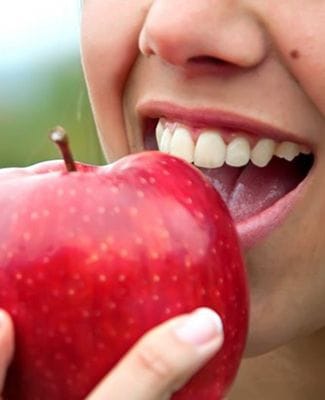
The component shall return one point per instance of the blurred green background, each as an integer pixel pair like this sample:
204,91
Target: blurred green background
41,82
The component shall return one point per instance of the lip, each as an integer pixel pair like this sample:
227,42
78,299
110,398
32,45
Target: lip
256,228
207,117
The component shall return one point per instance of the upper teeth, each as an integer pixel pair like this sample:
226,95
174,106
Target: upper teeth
211,151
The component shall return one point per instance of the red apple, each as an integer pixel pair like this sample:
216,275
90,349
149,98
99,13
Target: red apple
92,259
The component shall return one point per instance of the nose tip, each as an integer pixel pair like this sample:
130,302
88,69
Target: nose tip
200,31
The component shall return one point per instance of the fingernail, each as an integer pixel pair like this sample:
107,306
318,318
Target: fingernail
201,327
2,318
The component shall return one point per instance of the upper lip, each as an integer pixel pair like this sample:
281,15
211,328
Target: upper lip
214,118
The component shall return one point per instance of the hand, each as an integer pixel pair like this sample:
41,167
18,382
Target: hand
164,359
157,366
6,346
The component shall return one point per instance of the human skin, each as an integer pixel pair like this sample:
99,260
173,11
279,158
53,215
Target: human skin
269,64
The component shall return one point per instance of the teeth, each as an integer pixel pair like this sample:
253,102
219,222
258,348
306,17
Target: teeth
304,149
238,152
263,152
210,150
166,139
160,130
287,150
182,145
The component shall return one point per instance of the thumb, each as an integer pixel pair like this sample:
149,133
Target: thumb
6,345
164,359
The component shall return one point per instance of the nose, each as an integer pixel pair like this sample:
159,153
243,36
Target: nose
184,32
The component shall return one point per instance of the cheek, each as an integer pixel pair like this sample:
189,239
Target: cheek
300,37
109,40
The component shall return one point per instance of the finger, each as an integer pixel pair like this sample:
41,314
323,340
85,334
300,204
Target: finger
6,345
164,359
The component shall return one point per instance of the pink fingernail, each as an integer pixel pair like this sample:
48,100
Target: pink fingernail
201,327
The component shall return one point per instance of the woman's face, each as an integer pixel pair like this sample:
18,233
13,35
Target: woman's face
246,69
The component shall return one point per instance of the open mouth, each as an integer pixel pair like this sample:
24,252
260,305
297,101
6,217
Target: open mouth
258,177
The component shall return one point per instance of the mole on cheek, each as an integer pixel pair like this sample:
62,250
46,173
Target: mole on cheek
295,54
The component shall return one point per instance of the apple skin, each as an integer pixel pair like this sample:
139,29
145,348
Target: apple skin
91,260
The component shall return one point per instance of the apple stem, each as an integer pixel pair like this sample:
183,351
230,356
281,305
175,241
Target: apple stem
59,136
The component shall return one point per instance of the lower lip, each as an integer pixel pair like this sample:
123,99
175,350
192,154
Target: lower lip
256,228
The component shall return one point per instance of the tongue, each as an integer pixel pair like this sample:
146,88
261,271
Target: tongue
250,190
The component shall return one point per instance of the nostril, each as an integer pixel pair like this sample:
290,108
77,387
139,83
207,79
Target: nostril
207,60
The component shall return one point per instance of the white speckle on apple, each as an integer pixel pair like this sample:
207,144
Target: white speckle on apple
85,314
189,200
30,282
143,180
62,328
60,192
152,180
46,213
141,301
155,297
140,194
221,281
139,240
221,243
15,217
116,209
188,262
19,276
112,305
121,278
86,218
34,215
200,215
92,259
156,278
76,276
72,192
68,339
154,255
51,334
189,183
110,240
214,250
101,210
203,292
104,246
113,333
102,278
216,217
69,382
45,309
72,210
46,260
71,292
179,305
101,346
27,236
124,253
114,189
201,252
166,172
134,211
164,234
175,278
167,311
